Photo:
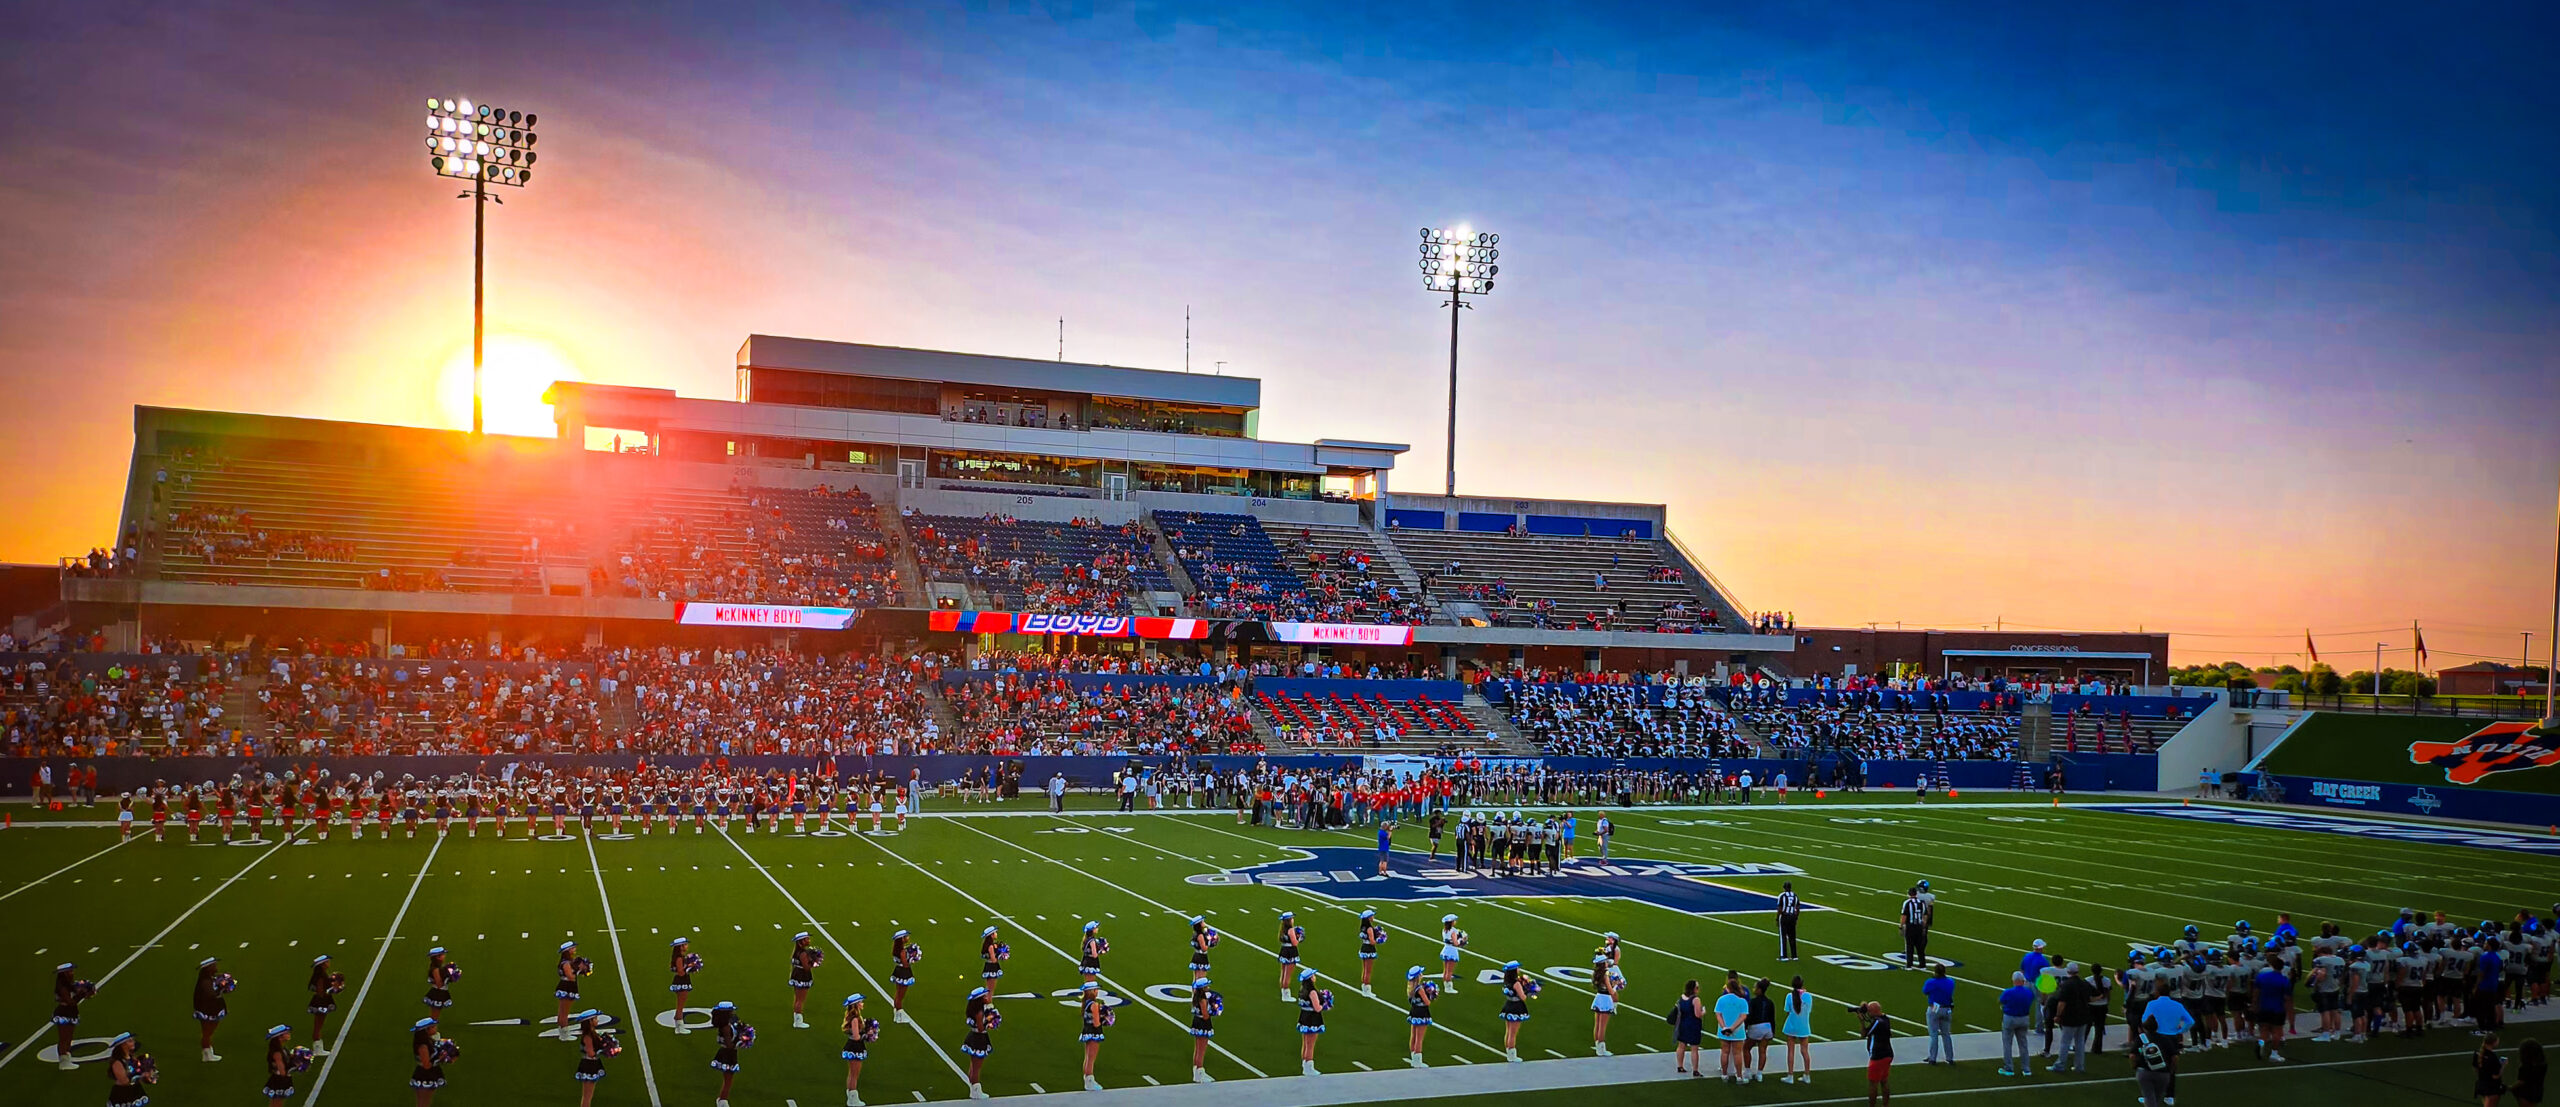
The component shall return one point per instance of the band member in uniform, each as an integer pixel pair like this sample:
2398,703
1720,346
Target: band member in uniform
1095,945
1202,940
903,955
441,973
1206,1006
212,985
1312,1002
1094,1017
859,1034
593,1048
682,963
1452,941
324,987
427,1054
1419,991
983,1018
69,992
1290,935
1516,992
805,959
1372,936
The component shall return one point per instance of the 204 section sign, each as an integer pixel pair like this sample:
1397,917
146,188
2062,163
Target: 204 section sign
1351,873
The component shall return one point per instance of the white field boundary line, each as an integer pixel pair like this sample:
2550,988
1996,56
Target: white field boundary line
1137,998
622,969
916,1025
2294,849
1495,902
346,1025
120,844
263,855
1240,941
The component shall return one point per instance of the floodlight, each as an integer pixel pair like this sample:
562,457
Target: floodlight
1460,263
488,145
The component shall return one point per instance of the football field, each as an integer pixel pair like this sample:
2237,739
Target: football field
1688,889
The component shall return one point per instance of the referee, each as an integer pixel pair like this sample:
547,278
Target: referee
1915,931
1788,908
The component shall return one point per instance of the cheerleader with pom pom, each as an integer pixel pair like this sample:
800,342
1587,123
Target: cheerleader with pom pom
682,963
1452,941
1095,945
1206,1006
1203,940
441,973
565,989
904,952
593,1048
69,992
993,954
805,959
1517,991
1095,1017
283,1061
213,987
1372,936
1290,935
130,1073
983,1018
733,1034
428,1054
324,987
1313,1002
1419,991
1605,986
859,1034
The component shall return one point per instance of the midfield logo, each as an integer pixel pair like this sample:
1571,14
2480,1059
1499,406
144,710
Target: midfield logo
1351,873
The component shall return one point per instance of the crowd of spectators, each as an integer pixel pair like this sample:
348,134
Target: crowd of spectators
738,702
1877,732
808,547
1623,720
313,704
1341,588
1029,713
229,535
1080,567
90,705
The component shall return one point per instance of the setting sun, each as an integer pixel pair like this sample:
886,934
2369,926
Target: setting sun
515,374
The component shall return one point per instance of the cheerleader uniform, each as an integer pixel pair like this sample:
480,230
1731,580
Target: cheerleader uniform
1514,1008
857,1042
683,981
1288,944
994,969
132,1093
590,1055
1094,1012
801,977
1604,989
279,1083
427,1076
440,987
1370,935
1310,1020
210,1006
567,986
724,1026
1201,1026
323,1000
978,1043
1092,963
1199,954
66,1002
1418,1005
902,970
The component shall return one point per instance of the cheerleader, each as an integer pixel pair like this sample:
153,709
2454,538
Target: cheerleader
804,964
1605,985
427,1054
1312,1003
1206,1006
1609,946
444,811
441,973
875,813
129,1073
124,817
593,1048
983,1018
701,808
903,955
1452,941
1419,991
281,1064
800,814
682,963
1095,1019
993,954
471,812
212,985
224,812
1202,938
324,987
902,810
1095,945
1515,1007
731,1034
1371,936
565,989
859,1033
195,815
1290,935
69,992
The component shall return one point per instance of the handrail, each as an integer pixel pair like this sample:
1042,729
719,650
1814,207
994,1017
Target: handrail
1698,565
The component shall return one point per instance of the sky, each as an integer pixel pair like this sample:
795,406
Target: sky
2229,319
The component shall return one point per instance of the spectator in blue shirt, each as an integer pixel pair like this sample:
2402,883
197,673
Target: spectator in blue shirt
2169,1022
2275,995
2033,964
1940,991
2017,1017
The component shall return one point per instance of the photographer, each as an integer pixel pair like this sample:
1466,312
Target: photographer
1878,1032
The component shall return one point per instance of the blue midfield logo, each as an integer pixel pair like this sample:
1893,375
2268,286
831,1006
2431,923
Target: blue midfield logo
2425,801
1351,873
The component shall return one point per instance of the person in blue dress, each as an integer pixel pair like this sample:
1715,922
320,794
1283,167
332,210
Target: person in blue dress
1688,1032
1796,1008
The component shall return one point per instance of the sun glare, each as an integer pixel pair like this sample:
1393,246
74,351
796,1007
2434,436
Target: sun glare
514,375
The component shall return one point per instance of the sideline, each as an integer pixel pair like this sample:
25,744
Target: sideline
120,844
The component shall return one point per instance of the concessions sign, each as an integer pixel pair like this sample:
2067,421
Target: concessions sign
765,615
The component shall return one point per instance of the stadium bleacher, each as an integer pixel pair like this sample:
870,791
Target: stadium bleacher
1561,582
1026,565
1354,716
1236,568
1652,719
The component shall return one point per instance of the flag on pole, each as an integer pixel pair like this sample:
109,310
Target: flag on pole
2422,648
2308,644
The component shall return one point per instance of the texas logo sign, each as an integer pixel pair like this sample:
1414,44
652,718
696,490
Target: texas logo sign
1350,873
2492,749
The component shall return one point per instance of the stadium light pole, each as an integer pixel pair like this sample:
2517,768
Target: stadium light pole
1458,262
2551,671
487,146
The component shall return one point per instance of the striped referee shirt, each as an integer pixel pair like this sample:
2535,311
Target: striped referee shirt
1788,905
1914,912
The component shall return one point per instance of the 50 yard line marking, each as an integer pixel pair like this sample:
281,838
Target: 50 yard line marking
120,844
261,859
347,1024
622,968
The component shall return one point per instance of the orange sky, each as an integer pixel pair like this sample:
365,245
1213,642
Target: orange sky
1875,378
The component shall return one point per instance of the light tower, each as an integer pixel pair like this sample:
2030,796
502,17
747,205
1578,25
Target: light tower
487,146
1459,262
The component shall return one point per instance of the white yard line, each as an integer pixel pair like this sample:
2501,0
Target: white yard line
346,1025
41,1032
120,843
847,954
622,969
1137,998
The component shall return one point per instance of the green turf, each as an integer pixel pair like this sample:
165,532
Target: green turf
2340,746
2090,883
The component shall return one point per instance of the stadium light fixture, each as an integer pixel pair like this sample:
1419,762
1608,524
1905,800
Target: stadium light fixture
1459,262
485,145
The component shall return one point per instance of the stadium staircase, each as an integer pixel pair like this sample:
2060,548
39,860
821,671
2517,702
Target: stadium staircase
1296,540
1497,726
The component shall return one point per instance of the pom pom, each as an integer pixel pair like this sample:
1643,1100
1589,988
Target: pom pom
1217,1005
1004,952
1209,939
1324,999
223,984
298,1058
746,1035
817,957
1532,989
444,1051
